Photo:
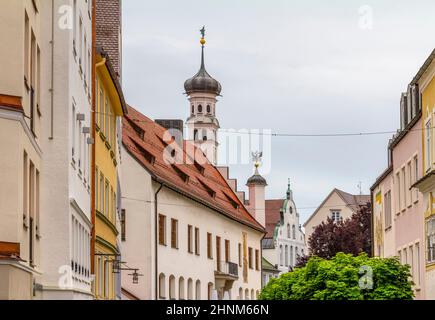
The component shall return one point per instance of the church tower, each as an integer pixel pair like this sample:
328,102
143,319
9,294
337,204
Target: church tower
202,91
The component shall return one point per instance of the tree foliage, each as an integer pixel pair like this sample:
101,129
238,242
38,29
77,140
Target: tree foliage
348,236
344,277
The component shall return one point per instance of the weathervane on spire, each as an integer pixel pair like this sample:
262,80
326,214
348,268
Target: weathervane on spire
202,35
256,158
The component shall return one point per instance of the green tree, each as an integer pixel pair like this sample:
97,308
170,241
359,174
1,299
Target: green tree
343,277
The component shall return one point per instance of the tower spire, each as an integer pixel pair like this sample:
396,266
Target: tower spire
289,190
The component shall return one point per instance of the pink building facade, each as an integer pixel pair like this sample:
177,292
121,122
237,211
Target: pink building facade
398,213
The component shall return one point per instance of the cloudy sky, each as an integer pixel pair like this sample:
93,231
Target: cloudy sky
291,67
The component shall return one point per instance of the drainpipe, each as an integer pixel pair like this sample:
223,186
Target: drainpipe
52,73
156,241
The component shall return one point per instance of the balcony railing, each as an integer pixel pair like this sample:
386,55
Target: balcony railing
228,268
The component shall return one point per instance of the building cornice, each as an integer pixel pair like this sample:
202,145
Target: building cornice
17,115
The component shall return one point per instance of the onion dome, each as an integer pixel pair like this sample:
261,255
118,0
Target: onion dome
202,81
256,179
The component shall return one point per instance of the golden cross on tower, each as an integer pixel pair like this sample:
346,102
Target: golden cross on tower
202,35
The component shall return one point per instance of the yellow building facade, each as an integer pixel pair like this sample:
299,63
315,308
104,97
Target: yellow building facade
109,106
425,80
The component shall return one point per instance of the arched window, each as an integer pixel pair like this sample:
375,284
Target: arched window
210,290
257,294
181,290
286,256
199,108
193,109
246,294
294,231
252,294
208,108
288,231
240,294
198,290
296,252
171,287
162,289
204,138
190,289
302,252
195,134
291,209
280,256
291,256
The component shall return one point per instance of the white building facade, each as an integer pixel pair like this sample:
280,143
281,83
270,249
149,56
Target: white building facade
65,195
285,240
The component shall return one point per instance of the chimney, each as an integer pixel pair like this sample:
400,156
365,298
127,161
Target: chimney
175,128
257,194
109,31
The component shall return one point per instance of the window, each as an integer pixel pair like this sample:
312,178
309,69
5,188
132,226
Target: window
32,82
198,290
26,47
200,108
292,262
398,192
387,209
123,225
197,241
428,145
181,290
174,233
416,177
227,250
218,252
250,262
193,109
208,109
281,260
189,239
240,254
209,290
100,276
294,231
209,246
162,288
106,113
336,216
162,229
430,239
257,260
286,259
101,108
190,289
106,204
417,264
106,279
37,195
408,187
288,231
101,193
25,188
172,287
403,179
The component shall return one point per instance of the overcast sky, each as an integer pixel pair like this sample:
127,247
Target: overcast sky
288,66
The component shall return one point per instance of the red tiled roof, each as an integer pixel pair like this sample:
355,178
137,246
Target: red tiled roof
272,215
208,187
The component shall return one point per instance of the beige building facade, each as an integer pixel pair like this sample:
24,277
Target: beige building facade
20,141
